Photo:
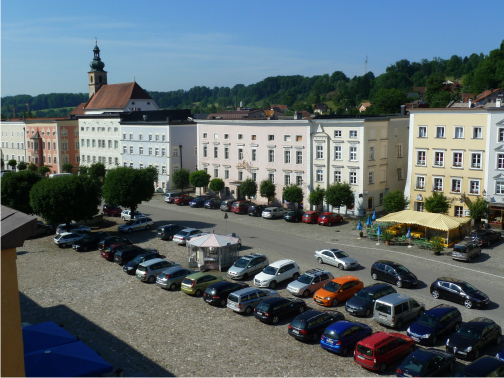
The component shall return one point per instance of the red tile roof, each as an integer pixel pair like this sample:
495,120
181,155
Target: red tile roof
281,107
481,96
79,109
116,96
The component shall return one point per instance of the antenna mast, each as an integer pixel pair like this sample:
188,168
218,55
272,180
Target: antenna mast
365,67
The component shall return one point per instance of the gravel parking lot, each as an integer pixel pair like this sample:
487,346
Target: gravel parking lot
148,331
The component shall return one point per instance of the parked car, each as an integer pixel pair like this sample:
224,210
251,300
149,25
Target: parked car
167,231
182,236
247,266
216,294
131,266
172,278
337,258
328,218
76,228
362,303
458,291
147,271
311,216
126,215
337,291
213,203
111,210
197,283
199,201
271,310
170,196
108,252
435,322
293,216
473,337
466,250
137,224
485,237
500,355
378,351
43,229
426,363
183,200
226,205
127,253
89,241
256,210
66,239
245,300
341,337
309,282
277,272
272,212
395,309
241,207
109,240
310,325
393,272
485,366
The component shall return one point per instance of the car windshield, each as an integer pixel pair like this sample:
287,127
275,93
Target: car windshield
428,320
139,259
340,254
332,286
413,364
402,269
364,295
306,279
241,263
468,288
469,333
291,213
184,233
331,334
323,217
270,270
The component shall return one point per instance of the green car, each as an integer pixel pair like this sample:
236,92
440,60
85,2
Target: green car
197,283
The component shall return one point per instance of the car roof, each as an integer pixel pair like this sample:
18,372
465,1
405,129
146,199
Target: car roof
479,323
440,310
252,256
344,279
342,325
189,229
173,269
272,208
485,363
373,288
394,298
316,271
449,279
152,261
426,355
246,290
377,338
197,275
68,233
312,212
274,300
280,263
387,262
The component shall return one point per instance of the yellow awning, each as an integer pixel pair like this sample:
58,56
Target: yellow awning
430,220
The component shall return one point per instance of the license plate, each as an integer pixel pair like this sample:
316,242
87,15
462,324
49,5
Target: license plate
259,313
103,253
361,357
318,301
330,341
416,339
295,331
207,300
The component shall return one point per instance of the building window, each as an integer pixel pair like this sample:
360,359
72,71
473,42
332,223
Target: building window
254,137
499,187
320,151
270,137
353,153
459,211
226,136
400,174
287,138
474,187
457,159
150,150
501,135
371,178
476,160
420,182
131,165
353,133
157,137
299,138
205,151
337,152
156,151
116,144
240,153
124,136
240,136
271,177
163,139
439,159
456,185
240,175
110,144
371,153
226,152
140,136
287,156
440,131
93,142
399,150
459,132
116,161
254,176
110,160
320,175
163,151
271,156
299,157
337,133
254,154
421,158
438,184
216,152
131,136
337,176
216,172
500,161
477,132
287,179
131,149
205,135
353,178
226,173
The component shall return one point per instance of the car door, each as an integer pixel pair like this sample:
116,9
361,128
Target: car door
345,292
389,274
380,272
393,351
328,257
453,293
315,284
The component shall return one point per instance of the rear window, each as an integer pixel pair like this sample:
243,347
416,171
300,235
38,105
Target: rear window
162,275
459,248
331,334
232,298
323,217
187,281
142,269
262,306
364,350
383,307
299,323
266,211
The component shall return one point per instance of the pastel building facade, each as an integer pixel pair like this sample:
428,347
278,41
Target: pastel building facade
495,164
13,141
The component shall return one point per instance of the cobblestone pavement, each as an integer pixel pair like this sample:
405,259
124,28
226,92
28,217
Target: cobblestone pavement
148,331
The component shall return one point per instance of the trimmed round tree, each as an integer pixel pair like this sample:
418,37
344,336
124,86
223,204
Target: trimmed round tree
316,196
199,179
395,201
477,209
128,187
67,167
180,179
97,171
268,190
292,193
66,198
33,167
42,170
216,185
437,203
248,188
12,163
22,166
16,187
339,194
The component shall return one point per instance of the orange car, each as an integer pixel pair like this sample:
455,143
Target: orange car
338,290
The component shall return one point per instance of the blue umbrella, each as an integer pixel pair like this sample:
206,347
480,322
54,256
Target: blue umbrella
359,226
378,232
408,235
374,216
369,222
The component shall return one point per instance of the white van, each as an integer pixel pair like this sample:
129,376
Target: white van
59,175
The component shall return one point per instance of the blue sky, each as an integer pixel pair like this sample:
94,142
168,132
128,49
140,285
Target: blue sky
167,45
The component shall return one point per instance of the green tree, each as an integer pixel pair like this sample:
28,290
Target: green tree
67,167
437,203
395,201
97,171
3,163
248,188
180,179
153,172
477,209
216,185
316,196
83,170
12,163
199,179
388,101
66,198
22,166
16,188
339,194
43,169
292,193
128,187
33,167
267,190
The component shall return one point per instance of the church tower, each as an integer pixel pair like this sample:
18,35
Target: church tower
97,76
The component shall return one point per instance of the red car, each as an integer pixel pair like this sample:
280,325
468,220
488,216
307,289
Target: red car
326,219
183,200
241,207
111,211
381,349
109,252
311,216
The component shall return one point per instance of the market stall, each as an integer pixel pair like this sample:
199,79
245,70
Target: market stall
213,251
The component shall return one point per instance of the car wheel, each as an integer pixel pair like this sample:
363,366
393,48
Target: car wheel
302,309
239,246
198,292
498,340
148,227
469,259
245,276
48,231
374,276
296,220
130,231
313,222
435,294
272,284
173,287
315,337
295,276
85,249
334,302
399,283
368,312
151,279
476,354
468,303
383,367
399,324
319,260
344,352
275,319
248,310
63,245
223,302
170,238
306,293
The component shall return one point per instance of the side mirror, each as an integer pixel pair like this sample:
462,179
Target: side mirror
278,274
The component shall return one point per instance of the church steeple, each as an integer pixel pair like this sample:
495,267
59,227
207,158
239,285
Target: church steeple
97,76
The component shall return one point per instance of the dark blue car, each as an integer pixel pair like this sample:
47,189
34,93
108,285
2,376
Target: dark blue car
341,337
199,201
426,363
435,322
485,366
500,355
362,303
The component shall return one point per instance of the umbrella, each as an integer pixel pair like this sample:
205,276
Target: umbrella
374,216
45,335
408,235
359,226
369,222
378,232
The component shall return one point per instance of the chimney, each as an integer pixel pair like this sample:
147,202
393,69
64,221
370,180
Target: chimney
403,110
470,102
298,115
498,101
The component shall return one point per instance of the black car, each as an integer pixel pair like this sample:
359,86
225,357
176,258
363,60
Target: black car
217,293
486,366
272,309
392,272
472,337
294,216
126,253
109,240
485,237
43,229
90,241
426,363
310,324
256,210
132,265
167,231
362,303
199,201
213,203
458,291
439,320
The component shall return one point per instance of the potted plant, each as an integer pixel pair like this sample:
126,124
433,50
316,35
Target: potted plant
437,245
387,236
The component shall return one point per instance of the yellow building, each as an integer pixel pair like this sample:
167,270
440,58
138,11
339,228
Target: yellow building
447,149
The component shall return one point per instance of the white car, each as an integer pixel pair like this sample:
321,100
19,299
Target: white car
77,228
277,272
67,239
273,212
126,215
140,223
336,257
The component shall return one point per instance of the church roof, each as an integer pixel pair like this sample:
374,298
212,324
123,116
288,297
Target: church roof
79,109
116,96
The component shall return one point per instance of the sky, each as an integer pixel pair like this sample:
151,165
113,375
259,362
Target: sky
46,46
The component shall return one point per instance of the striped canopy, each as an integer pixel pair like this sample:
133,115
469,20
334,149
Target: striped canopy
430,220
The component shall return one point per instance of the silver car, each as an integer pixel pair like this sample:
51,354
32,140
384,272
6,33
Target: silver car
67,239
77,228
247,266
310,282
273,212
144,223
148,270
184,235
245,300
172,278
337,258
126,215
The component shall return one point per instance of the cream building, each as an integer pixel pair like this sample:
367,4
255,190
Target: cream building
13,141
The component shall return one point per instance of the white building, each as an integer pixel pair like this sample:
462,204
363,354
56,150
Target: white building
13,141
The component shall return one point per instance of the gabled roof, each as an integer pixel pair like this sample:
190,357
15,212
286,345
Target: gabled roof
482,95
116,96
79,110
281,107
320,106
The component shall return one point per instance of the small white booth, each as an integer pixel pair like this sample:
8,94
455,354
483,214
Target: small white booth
213,251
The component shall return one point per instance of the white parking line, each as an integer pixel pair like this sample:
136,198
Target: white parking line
418,257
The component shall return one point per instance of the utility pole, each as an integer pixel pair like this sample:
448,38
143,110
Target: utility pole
365,67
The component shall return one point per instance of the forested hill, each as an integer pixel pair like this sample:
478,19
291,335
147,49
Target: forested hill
476,72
